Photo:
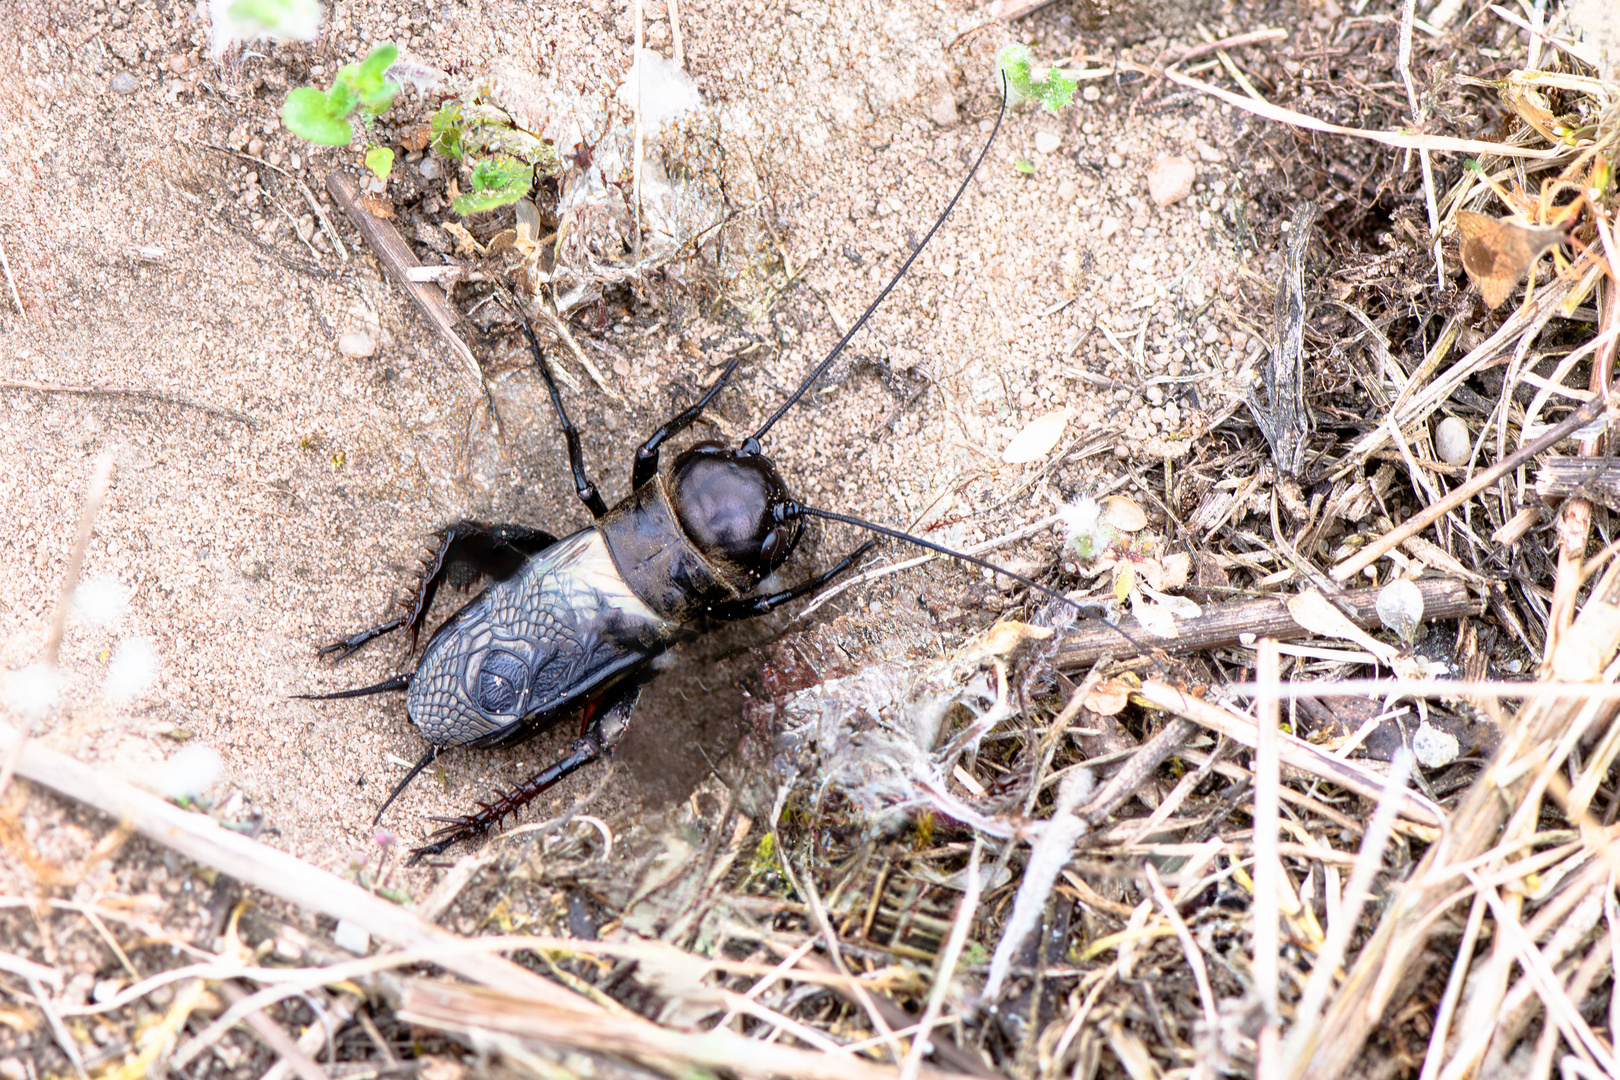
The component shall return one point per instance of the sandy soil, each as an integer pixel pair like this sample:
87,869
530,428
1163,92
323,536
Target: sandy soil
271,493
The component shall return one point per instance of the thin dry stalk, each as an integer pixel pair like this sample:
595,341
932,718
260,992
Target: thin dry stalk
1268,874
966,909
1304,1037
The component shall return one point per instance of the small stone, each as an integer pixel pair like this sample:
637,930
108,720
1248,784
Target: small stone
351,937
1109,226
179,64
1207,152
357,343
255,146
1114,161
942,110
1171,179
12,1069
1090,93
1433,747
125,83
1046,142
1452,441
430,168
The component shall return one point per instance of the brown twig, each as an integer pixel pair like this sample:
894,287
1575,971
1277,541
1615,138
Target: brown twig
397,259
142,395
1225,625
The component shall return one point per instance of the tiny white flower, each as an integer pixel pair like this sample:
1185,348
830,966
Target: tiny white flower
188,773
244,20
133,666
33,690
1084,528
100,601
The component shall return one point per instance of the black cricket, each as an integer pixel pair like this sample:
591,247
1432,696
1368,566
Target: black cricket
573,625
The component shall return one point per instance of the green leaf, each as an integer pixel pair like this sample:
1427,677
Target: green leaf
1057,91
474,202
379,60
1013,61
371,83
447,126
380,160
499,173
340,100
496,182
1024,167
1053,92
306,115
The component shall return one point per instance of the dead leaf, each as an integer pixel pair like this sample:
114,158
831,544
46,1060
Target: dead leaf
1123,514
1108,697
415,137
465,244
378,206
1002,638
1037,439
1315,613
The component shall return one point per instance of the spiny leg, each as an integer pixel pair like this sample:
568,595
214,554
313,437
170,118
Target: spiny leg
422,762
604,723
576,457
748,607
495,551
646,463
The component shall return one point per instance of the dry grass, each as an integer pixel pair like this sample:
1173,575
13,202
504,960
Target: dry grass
1027,862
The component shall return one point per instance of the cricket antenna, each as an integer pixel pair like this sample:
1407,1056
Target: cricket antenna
787,511
751,444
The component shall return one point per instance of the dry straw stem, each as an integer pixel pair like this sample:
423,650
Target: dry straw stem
1399,140
205,842
1423,817
1268,871
1435,511
398,260
548,1012
470,1011
1496,818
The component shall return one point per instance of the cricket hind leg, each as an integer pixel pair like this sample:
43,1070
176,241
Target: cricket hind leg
467,551
603,726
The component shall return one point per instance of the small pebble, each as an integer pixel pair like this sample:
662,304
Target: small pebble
179,64
1452,441
942,110
1433,747
1046,142
1109,226
125,83
357,343
429,168
1171,179
1114,161
12,1069
351,937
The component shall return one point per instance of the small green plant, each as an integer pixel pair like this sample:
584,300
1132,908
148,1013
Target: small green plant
496,181
380,161
503,156
1053,90
1025,166
324,117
